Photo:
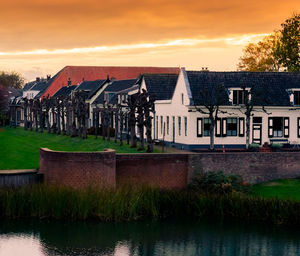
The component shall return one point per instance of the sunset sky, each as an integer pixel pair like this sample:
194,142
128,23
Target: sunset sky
40,37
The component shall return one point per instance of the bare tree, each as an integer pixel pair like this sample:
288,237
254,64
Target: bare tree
209,102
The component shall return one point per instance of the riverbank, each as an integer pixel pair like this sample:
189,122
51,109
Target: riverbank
288,189
126,204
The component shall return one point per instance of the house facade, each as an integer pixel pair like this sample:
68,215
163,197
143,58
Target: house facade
184,122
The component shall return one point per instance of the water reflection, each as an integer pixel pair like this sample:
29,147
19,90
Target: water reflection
146,238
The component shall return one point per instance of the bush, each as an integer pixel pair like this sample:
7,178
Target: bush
218,183
254,145
276,145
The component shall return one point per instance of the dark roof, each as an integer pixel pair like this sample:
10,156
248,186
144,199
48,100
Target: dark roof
28,85
161,86
91,86
268,88
115,87
66,90
39,86
13,92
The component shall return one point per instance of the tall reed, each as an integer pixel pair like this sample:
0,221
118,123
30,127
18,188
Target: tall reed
124,204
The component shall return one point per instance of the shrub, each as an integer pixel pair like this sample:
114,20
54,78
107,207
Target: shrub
218,183
254,145
276,145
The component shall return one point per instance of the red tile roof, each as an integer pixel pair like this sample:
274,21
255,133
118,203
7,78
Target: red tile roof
90,73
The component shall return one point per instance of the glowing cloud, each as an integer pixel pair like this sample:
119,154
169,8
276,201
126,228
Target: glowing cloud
238,40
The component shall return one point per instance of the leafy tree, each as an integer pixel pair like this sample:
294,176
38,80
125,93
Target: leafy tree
262,56
12,79
289,50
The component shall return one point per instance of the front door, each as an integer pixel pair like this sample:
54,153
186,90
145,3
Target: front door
256,136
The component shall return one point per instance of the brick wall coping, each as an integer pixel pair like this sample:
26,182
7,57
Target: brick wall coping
94,156
207,153
25,171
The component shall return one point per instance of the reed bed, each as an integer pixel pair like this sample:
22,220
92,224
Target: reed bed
127,203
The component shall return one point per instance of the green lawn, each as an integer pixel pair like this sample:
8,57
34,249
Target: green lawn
282,189
19,149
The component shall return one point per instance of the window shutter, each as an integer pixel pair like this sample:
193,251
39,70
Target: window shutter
224,127
218,127
242,127
270,128
298,125
199,127
286,127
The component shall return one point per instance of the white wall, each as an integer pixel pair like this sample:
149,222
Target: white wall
175,108
30,94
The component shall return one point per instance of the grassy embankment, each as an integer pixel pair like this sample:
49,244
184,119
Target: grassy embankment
126,204
282,189
20,149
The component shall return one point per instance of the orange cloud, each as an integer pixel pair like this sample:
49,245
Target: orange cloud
39,24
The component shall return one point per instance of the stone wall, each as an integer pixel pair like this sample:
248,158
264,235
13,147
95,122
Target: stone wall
254,167
78,169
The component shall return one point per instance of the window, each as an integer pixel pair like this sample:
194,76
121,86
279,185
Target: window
207,123
199,127
231,126
238,97
182,99
179,125
297,98
168,123
185,126
278,127
257,120
161,124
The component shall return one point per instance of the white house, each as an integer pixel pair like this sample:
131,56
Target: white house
275,118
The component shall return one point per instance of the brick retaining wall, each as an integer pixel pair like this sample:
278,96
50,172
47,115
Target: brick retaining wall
166,171
163,170
78,169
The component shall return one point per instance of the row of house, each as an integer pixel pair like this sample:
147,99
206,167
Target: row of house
181,106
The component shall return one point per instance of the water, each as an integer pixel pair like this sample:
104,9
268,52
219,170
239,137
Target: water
173,237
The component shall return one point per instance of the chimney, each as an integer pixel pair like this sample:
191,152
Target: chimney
38,79
48,77
69,82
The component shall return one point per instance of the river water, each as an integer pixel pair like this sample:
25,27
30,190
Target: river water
172,237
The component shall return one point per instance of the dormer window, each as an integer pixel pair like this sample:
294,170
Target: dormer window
296,97
239,97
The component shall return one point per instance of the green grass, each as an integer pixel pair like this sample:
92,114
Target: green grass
132,203
20,149
282,189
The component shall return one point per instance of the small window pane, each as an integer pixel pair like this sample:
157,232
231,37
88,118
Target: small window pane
231,126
